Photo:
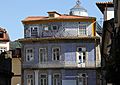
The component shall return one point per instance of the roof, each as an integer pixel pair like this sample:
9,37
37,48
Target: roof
102,5
14,45
53,39
5,35
60,17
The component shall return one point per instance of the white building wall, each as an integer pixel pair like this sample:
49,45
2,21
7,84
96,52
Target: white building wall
110,13
4,45
79,13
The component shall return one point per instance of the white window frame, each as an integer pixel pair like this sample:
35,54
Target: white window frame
30,28
3,49
82,53
56,81
31,55
30,79
46,27
82,79
54,58
82,29
44,55
43,79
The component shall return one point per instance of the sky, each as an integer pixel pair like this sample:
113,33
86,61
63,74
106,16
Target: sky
12,12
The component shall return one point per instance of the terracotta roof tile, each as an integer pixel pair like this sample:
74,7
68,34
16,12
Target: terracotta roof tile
35,18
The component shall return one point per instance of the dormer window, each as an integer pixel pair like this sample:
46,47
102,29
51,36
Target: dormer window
1,35
53,14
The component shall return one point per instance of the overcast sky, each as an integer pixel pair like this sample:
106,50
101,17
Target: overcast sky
13,11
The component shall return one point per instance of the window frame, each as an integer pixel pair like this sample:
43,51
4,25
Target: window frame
26,54
54,29
83,57
82,29
55,59
59,79
84,79
3,49
50,27
45,57
30,29
29,79
43,78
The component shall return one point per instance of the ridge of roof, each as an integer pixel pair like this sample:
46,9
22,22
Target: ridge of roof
62,16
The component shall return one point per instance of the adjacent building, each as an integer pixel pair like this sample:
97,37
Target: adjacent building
5,59
107,9
15,49
4,40
61,49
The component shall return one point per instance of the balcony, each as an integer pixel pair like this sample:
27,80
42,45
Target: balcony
62,64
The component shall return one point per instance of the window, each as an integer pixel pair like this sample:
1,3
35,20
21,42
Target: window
34,31
42,55
29,54
47,28
56,53
82,29
81,54
30,80
1,34
2,49
54,27
51,28
56,79
51,15
43,79
82,79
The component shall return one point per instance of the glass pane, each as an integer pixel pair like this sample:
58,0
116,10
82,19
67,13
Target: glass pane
31,82
54,27
41,83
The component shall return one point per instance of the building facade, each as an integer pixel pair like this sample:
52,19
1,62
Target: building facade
15,49
107,9
60,49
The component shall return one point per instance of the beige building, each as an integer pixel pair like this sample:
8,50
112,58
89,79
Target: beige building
16,63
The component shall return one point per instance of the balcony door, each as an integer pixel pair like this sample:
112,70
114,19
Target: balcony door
81,56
